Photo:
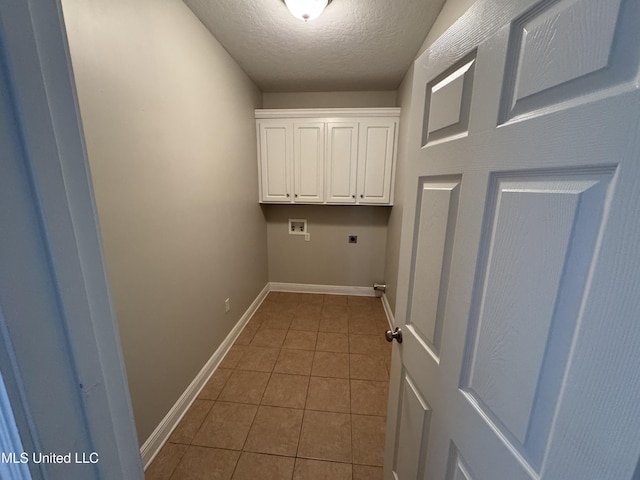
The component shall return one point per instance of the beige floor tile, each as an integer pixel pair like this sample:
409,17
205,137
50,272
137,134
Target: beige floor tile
344,401
308,309
296,362
191,422
281,308
311,299
259,359
216,383
165,462
328,395
330,364
275,430
369,397
254,466
233,356
366,344
305,323
300,340
245,386
277,321
368,367
366,472
321,470
360,303
335,311
326,436
226,426
335,300
368,439
269,337
201,463
259,316
332,342
285,297
286,390
247,335
364,326
334,324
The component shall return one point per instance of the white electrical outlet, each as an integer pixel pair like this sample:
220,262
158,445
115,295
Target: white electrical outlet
307,237
227,305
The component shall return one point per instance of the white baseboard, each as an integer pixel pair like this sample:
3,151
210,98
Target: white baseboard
325,289
161,434
387,311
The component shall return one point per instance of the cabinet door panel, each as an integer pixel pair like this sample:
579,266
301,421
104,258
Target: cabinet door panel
275,161
375,160
342,162
309,162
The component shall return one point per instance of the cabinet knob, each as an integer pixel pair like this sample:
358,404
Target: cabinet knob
361,196
353,196
296,195
287,195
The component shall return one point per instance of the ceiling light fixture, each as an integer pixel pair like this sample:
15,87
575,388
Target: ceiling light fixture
306,9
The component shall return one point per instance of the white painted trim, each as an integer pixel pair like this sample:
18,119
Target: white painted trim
324,289
387,311
161,434
327,112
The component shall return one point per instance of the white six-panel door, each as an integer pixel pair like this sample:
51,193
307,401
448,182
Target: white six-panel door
519,290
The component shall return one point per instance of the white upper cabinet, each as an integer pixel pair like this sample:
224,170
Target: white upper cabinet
275,161
375,160
308,162
337,156
341,162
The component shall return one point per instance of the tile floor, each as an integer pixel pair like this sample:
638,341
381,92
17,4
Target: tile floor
301,395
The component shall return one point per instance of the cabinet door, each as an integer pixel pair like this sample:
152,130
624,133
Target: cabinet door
342,162
308,144
275,161
375,160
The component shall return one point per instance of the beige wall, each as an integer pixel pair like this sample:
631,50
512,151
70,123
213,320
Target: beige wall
168,119
328,258
451,11
329,99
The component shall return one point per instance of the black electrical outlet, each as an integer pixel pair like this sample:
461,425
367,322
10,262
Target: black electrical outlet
353,239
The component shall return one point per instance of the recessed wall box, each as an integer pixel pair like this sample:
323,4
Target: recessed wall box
297,226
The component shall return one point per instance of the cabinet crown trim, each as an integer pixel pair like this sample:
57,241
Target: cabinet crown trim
326,112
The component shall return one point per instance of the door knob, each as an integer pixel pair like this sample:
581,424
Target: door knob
397,334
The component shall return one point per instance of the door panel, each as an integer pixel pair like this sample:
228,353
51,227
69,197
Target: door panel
457,468
591,54
542,230
435,228
520,267
413,431
448,102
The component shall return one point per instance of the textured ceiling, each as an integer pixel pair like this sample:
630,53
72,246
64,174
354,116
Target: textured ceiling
353,45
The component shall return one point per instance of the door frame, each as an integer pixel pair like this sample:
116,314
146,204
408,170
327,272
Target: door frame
37,67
